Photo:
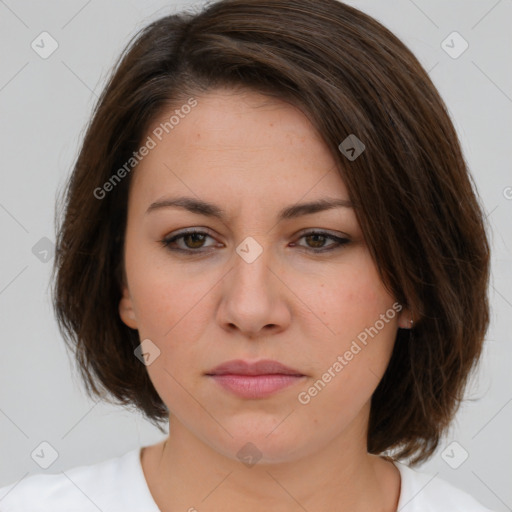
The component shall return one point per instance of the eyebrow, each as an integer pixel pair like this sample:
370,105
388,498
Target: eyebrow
212,210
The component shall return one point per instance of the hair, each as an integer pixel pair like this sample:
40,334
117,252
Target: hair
417,204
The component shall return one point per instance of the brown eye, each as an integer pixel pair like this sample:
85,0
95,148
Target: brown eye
316,241
192,241
196,239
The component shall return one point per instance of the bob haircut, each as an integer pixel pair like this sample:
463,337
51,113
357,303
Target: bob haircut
414,197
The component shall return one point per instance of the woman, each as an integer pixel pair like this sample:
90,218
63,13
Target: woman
270,240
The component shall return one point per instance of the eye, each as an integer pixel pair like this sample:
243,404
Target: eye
317,239
194,241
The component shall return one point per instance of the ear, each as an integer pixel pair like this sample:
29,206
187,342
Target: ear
405,319
126,310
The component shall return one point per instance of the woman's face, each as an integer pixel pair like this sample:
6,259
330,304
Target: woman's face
254,285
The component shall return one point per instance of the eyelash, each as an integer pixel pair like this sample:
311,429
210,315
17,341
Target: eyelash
339,241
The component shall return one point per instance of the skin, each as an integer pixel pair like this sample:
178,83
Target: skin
253,155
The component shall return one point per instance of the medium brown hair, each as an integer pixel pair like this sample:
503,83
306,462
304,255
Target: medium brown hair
416,201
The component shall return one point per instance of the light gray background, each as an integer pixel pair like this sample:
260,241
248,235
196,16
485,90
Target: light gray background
44,105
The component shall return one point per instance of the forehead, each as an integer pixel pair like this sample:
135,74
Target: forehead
240,145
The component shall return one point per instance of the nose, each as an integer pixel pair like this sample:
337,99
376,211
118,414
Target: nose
255,300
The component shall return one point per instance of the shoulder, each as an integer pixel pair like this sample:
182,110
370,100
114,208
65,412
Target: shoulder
112,485
424,492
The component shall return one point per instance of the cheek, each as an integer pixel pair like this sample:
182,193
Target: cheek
351,298
345,381
163,294
362,317
173,309
171,312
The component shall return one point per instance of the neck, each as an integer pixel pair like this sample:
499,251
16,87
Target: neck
183,473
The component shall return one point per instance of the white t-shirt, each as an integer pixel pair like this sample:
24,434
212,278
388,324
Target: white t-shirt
119,485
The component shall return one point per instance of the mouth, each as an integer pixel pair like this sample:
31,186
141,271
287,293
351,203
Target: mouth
254,380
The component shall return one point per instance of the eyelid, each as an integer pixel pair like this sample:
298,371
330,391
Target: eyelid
322,231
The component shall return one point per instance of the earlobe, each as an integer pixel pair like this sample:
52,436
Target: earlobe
405,319
126,311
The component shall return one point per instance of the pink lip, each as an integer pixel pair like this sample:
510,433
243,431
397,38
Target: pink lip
254,380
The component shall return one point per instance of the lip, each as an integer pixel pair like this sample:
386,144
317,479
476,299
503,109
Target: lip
263,367
254,380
